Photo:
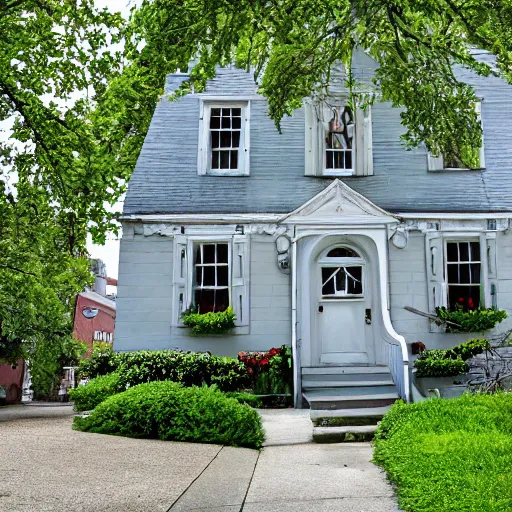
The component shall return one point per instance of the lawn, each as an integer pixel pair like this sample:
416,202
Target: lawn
449,455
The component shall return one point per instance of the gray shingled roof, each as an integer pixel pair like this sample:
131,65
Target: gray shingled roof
165,179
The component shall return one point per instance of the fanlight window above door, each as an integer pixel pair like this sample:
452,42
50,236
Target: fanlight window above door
342,273
338,282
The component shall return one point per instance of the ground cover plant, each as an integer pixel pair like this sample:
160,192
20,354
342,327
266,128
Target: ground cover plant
449,455
169,411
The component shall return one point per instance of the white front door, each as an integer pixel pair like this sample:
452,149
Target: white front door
344,310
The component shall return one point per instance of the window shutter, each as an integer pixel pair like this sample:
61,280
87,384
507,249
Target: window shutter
436,286
489,275
240,273
363,142
180,272
312,143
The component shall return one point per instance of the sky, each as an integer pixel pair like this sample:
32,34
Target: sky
109,252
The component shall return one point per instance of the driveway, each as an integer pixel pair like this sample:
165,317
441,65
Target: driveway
49,467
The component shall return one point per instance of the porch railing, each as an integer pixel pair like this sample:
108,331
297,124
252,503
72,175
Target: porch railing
399,369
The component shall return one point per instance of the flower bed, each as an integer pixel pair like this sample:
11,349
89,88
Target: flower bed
270,372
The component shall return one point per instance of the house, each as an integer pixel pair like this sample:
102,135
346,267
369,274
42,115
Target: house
318,237
95,311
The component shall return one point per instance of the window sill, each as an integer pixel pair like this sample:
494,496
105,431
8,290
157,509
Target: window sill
230,173
237,331
334,174
454,169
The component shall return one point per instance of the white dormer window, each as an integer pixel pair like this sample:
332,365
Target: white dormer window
224,138
338,140
453,162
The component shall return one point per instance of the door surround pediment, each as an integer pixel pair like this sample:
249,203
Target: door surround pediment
339,204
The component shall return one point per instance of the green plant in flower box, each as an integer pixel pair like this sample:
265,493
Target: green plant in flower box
214,322
476,320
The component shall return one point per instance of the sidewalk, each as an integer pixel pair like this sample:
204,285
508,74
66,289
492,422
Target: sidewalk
291,474
50,467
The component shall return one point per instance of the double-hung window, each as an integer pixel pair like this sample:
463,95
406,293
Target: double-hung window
463,274
224,139
211,268
338,139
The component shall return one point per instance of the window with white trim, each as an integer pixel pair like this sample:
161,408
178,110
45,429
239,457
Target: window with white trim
211,283
463,274
224,139
453,161
211,273
338,140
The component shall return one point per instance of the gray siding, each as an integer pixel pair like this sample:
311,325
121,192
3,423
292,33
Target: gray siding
145,301
165,179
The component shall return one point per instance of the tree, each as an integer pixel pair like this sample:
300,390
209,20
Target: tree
55,180
294,45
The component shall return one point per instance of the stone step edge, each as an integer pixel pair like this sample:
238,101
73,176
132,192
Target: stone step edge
345,383
344,370
377,412
350,398
344,434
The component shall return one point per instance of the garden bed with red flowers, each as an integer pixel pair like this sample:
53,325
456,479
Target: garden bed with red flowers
270,375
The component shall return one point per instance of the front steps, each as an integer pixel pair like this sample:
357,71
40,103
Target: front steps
347,402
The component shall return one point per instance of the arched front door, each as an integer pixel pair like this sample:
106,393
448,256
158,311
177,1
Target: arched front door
344,309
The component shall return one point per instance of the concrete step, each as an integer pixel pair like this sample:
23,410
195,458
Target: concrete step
318,401
344,370
344,434
351,390
350,414
314,384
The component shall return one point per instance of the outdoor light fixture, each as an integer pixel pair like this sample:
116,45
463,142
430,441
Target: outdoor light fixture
89,312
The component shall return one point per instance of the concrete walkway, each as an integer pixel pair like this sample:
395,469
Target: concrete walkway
49,467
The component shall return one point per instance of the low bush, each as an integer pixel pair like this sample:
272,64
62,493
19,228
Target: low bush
189,368
95,391
217,322
450,362
168,411
476,320
449,455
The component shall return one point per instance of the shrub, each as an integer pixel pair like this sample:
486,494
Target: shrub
210,323
434,366
189,368
476,320
96,391
449,455
102,360
450,362
270,372
168,411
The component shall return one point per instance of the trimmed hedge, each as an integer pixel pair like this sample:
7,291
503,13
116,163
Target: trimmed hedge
96,391
449,455
189,368
168,411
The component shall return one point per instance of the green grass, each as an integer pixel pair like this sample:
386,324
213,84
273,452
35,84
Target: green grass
449,455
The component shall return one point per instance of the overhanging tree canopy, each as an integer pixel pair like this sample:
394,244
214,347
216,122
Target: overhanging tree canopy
294,44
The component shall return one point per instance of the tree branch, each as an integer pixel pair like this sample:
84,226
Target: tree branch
16,269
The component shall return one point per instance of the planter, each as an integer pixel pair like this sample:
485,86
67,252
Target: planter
448,387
